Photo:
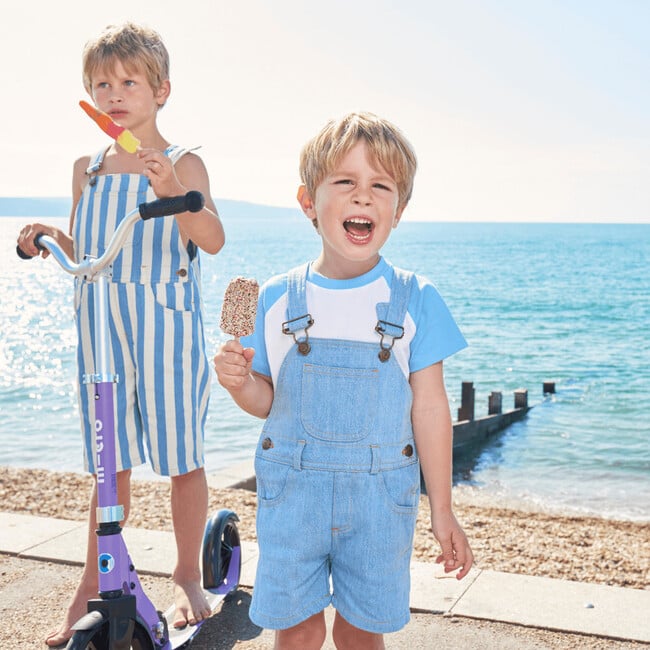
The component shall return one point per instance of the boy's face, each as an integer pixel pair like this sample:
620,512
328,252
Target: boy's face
355,208
127,96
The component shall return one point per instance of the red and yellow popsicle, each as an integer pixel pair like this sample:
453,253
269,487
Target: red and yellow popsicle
120,134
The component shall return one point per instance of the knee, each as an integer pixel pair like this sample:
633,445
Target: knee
190,481
308,635
348,637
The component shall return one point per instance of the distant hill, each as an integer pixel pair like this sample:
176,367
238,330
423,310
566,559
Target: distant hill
60,207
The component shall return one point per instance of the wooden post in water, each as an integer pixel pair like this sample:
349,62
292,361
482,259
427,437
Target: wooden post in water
549,387
494,403
466,410
521,398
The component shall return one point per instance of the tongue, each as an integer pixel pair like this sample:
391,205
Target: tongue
359,229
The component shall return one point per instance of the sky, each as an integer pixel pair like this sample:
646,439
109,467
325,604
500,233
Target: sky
519,110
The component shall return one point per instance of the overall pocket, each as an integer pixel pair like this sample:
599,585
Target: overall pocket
402,488
271,480
339,404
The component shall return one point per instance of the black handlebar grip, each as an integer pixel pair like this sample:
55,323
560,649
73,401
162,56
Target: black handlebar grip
21,253
193,201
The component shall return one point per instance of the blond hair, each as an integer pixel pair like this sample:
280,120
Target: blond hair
386,144
136,47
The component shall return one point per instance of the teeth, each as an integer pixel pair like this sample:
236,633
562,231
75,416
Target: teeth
358,220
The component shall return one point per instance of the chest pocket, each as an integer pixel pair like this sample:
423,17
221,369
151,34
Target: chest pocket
339,404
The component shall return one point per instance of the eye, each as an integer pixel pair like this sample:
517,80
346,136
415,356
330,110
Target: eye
343,181
129,82
381,186
101,84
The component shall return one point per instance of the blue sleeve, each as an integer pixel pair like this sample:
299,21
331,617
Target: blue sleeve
270,293
436,334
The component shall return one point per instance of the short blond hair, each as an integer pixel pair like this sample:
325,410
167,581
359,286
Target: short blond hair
136,47
386,144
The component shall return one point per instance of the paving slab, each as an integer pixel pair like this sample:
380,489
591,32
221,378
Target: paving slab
63,541
561,605
19,533
433,590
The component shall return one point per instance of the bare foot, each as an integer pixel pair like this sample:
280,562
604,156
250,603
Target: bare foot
76,609
191,604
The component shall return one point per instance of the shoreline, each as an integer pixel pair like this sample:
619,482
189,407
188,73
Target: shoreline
519,539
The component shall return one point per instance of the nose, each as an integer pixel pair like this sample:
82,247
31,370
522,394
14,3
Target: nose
115,96
361,195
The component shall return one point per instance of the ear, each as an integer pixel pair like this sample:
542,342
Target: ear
398,215
162,94
306,202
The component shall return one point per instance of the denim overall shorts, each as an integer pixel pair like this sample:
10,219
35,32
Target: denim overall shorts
338,477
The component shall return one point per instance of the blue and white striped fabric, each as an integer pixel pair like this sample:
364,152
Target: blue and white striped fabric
156,329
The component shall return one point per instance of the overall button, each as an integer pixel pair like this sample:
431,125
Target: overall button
408,451
267,443
181,273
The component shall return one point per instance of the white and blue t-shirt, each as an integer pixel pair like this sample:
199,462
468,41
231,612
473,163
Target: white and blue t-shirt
346,309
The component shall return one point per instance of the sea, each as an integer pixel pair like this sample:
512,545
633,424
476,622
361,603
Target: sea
537,302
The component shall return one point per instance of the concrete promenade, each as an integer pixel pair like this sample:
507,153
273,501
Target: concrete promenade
546,603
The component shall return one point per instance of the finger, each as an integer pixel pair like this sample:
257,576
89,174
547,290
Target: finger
465,560
447,556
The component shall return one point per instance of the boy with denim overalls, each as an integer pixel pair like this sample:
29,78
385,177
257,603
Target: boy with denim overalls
346,366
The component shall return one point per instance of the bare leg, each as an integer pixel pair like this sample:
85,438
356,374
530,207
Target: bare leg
88,584
308,635
348,637
189,513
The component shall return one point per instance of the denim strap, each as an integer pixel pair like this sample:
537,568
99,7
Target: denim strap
296,297
391,315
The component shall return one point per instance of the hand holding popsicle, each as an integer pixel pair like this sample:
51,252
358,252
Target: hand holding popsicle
120,134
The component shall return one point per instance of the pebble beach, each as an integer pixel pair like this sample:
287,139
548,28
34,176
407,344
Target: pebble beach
523,541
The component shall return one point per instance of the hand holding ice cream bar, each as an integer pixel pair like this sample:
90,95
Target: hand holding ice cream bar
120,134
240,307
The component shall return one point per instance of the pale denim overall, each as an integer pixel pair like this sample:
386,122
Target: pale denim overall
338,476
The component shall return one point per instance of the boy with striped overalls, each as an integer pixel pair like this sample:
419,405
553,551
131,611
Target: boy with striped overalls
345,364
156,314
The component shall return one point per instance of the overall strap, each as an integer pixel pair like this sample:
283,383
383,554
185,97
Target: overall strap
298,318
96,162
174,152
390,316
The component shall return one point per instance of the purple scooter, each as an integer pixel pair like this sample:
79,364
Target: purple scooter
123,617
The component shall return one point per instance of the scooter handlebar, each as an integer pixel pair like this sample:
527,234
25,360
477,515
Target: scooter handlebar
193,201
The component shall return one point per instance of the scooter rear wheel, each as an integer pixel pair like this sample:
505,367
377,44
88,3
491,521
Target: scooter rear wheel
97,639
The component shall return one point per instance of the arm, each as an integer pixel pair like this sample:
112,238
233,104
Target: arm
251,391
204,228
433,434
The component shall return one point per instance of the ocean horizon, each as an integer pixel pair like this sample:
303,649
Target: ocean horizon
537,302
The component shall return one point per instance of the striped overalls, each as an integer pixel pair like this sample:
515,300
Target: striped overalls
156,328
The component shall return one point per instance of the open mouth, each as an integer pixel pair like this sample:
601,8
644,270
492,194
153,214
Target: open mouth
358,227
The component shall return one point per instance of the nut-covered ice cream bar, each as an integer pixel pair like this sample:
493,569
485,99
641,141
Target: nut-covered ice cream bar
240,307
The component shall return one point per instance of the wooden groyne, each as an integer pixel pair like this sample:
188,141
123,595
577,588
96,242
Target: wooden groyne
471,433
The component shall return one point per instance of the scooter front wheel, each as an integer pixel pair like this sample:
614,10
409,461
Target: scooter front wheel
221,553
97,639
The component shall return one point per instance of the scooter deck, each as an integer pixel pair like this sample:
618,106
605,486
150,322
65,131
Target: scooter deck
178,637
